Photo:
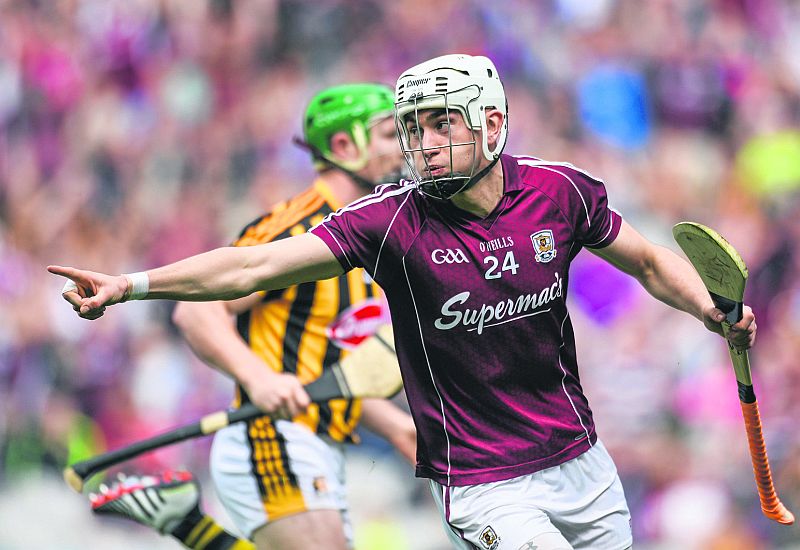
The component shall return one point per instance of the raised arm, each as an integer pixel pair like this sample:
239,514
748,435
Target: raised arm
671,279
221,274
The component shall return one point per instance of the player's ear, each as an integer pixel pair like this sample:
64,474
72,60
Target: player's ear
494,124
343,146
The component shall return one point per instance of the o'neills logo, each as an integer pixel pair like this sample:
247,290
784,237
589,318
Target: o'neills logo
489,315
417,82
358,322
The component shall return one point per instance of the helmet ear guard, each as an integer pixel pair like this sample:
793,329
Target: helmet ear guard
359,134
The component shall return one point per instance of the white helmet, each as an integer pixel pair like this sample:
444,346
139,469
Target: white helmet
469,84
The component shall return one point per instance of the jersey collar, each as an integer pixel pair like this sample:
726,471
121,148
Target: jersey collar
324,189
512,182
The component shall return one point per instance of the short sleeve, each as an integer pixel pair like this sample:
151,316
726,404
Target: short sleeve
596,223
357,233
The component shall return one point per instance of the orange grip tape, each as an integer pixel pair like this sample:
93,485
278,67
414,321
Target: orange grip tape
771,505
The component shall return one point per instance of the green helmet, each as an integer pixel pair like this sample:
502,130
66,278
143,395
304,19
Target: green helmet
350,108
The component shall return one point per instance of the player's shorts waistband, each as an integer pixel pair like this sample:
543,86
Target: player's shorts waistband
457,478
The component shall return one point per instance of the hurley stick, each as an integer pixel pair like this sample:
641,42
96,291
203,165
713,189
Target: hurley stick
724,274
371,370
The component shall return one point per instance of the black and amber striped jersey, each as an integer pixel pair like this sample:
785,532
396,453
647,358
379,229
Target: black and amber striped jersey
306,328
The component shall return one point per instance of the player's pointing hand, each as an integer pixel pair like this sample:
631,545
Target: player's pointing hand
92,291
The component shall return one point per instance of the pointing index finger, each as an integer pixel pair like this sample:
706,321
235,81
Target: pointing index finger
79,276
69,272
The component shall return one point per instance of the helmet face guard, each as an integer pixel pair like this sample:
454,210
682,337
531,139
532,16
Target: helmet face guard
462,83
442,187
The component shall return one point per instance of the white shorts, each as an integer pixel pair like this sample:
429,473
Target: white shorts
263,473
581,500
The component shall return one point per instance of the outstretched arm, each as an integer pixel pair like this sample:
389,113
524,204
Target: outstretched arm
671,279
221,274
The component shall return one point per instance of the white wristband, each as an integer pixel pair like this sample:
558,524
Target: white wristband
69,286
139,284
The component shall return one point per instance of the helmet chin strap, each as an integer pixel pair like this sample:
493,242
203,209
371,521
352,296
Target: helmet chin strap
360,180
479,176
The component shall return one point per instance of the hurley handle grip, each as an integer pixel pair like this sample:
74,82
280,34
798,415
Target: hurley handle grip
771,505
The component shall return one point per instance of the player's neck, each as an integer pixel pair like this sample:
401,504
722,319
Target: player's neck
482,198
344,189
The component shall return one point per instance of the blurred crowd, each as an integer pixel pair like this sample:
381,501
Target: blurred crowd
136,132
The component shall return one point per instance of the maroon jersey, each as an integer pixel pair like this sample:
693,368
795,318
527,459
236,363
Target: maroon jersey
483,335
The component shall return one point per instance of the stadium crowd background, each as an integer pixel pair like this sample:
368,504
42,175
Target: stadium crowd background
137,132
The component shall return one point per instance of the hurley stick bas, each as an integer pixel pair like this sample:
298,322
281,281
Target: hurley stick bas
724,274
371,370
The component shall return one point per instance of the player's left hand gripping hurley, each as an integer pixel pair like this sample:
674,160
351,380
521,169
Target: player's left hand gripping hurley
371,370
724,274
